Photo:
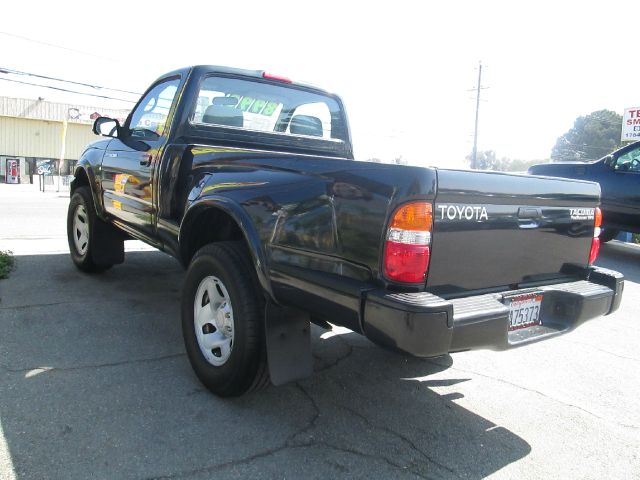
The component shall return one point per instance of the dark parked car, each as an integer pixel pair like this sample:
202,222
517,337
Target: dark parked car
619,177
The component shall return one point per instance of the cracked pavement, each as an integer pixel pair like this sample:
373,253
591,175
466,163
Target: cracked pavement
94,383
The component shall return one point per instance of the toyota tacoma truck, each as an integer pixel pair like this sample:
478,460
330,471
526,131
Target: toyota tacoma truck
248,179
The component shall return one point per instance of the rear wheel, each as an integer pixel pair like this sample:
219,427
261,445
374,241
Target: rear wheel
608,234
82,226
222,320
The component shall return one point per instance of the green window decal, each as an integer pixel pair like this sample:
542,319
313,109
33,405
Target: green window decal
269,109
245,103
257,106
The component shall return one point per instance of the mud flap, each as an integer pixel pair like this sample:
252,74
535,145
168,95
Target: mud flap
287,332
108,246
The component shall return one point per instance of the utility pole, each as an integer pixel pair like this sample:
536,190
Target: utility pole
474,155
65,124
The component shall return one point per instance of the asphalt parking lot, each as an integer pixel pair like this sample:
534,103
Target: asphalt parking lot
94,383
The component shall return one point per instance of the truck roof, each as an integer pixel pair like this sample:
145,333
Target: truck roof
261,74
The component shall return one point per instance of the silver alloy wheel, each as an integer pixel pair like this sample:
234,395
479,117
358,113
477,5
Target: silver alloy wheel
213,320
81,229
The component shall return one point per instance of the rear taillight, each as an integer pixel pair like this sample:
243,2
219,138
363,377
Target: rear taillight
595,242
407,249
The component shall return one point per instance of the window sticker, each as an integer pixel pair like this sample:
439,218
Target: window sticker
245,103
257,106
270,108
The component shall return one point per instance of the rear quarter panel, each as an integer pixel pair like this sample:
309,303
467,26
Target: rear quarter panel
321,221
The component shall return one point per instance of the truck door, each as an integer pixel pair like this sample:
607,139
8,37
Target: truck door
129,162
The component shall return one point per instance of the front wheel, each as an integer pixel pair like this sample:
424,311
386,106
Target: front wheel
222,320
83,231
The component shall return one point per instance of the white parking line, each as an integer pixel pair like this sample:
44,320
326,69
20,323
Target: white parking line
7,470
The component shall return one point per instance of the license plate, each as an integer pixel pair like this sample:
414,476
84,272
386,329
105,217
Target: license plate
524,310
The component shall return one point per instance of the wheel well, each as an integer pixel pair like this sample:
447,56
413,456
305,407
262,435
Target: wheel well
208,226
80,179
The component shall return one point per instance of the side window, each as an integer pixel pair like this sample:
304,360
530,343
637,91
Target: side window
629,162
149,118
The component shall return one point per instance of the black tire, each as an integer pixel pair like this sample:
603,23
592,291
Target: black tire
245,369
608,234
84,259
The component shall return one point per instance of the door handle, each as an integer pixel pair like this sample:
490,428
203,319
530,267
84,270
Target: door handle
145,161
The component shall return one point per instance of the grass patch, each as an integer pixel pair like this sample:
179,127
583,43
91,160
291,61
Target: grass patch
6,263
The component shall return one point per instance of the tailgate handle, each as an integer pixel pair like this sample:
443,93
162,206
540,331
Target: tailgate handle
527,213
529,217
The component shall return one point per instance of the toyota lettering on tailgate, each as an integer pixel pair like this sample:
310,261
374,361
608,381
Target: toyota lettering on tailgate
462,212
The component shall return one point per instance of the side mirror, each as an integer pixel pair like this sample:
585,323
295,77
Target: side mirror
107,127
609,161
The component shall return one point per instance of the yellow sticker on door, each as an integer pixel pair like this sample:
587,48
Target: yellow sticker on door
120,181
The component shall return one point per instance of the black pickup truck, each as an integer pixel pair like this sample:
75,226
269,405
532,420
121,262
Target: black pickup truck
619,177
248,179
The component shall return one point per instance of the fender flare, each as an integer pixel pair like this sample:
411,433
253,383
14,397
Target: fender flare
243,221
93,185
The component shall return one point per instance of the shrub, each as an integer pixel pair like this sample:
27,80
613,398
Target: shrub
6,263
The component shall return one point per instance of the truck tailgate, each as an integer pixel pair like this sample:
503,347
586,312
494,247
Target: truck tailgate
493,230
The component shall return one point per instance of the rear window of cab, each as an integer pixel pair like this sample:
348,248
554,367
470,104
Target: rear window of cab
264,107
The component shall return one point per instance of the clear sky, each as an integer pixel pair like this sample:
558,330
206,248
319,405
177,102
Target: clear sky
404,68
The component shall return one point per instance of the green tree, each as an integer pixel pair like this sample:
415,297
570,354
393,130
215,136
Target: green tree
516,165
592,137
487,160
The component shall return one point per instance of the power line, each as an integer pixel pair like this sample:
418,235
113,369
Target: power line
579,146
58,46
609,122
601,120
67,90
17,72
